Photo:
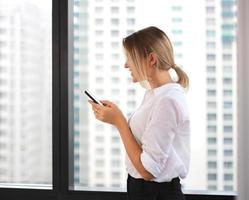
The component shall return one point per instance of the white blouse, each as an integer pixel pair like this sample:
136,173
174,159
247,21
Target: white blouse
161,126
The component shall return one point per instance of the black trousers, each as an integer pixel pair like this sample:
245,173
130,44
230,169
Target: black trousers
139,189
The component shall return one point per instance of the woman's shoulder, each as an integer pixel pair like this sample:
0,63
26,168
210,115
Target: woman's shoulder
175,98
175,94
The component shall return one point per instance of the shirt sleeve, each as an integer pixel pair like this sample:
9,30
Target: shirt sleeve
159,135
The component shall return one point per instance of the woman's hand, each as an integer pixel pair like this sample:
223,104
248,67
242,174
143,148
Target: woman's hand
109,113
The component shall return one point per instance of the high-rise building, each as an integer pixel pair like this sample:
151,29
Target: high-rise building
25,94
221,95
98,59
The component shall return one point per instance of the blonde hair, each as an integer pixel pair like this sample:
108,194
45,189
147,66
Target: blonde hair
143,42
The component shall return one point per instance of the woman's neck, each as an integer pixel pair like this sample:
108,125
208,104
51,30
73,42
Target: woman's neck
160,78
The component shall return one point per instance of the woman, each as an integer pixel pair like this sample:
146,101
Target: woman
157,136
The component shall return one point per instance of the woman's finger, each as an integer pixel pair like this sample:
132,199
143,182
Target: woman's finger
95,106
107,103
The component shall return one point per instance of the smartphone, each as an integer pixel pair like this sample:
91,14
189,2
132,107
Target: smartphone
92,97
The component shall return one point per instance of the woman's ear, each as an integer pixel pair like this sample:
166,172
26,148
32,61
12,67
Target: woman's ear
152,59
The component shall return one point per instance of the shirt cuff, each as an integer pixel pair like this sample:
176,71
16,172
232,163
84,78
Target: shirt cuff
155,168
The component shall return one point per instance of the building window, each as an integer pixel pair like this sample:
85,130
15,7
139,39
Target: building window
228,152
210,9
212,165
99,9
130,10
227,92
99,21
211,140
228,177
227,116
211,80
211,116
228,129
211,56
211,92
114,10
228,188
228,164
114,33
212,177
131,21
211,128
115,21
227,104
212,152
211,104
228,140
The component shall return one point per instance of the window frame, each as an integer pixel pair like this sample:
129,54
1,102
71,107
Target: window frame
62,142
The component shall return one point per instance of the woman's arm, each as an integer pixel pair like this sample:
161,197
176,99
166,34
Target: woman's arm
132,148
111,114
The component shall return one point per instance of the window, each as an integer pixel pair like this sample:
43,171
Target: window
212,165
228,141
115,21
227,80
227,92
130,10
228,116
211,128
211,68
177,32
228,177
176,20
114,44
103,73
211,104
114,33
212,152
211,45
211,140
26,94
131,21
99,32
228,152
227,104
211,117
212,177
210,9
210,21
99,21
210,33
211,81
177,43
227,57
176,8
211,92
211,57
228,164
114,10
228,129
99,9
99,44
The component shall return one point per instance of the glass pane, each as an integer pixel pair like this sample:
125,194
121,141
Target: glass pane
25,93
204,46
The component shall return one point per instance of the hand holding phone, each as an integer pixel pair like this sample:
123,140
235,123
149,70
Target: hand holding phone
93,98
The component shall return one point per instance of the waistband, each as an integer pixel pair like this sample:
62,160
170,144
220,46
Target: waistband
174,180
